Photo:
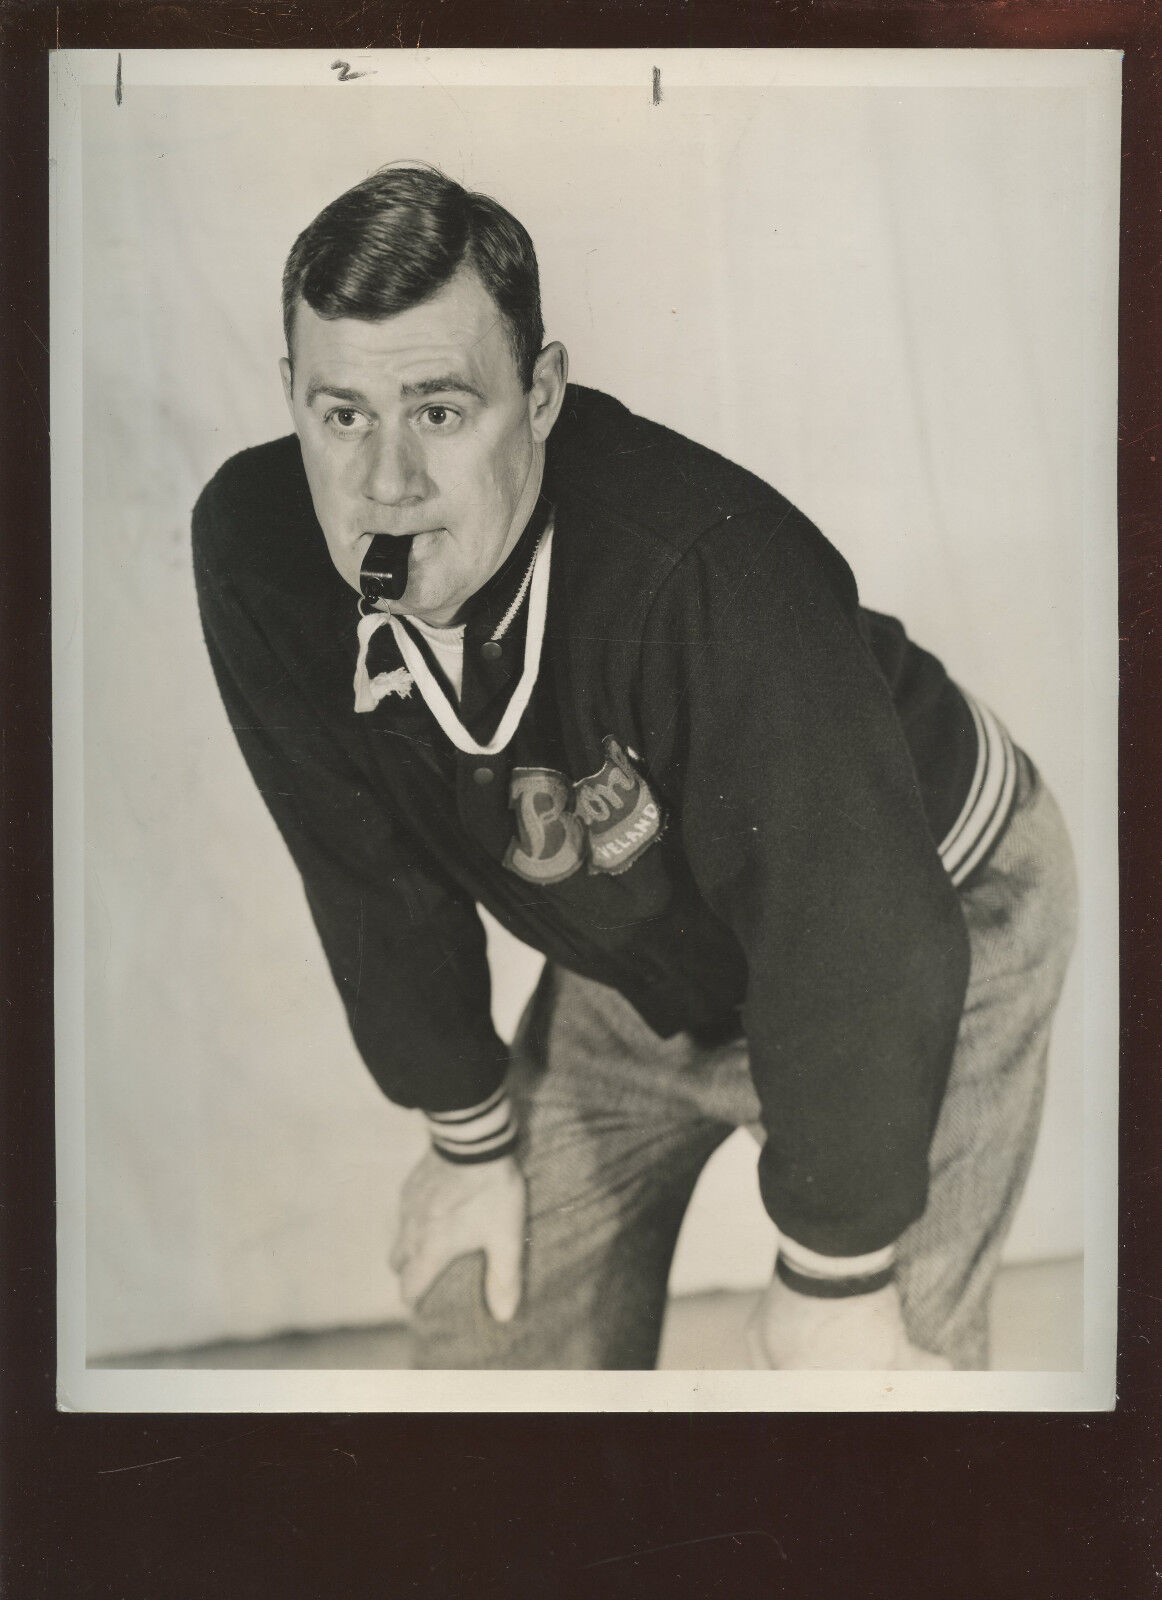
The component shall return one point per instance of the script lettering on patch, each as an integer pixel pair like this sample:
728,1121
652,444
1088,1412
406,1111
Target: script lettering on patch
550,842
602,822
620,814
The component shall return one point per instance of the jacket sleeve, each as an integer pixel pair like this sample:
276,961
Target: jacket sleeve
405,946
773,734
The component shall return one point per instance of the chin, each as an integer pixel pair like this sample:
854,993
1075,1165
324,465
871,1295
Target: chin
426,592
438,612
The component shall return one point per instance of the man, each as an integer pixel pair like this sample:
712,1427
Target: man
620,692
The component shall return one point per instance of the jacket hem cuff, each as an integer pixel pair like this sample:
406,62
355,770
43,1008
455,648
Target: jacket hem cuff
483,1132
816,1265
834,1287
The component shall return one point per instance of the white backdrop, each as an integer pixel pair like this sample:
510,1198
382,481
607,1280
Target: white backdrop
873,298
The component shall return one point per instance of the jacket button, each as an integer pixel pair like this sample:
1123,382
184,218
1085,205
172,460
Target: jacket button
490,650
483,775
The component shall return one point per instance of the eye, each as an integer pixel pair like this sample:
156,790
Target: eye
441,419
345,419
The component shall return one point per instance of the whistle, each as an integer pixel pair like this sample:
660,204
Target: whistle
384,573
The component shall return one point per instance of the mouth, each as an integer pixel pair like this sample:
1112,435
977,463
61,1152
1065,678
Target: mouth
383,574
392,533
385,558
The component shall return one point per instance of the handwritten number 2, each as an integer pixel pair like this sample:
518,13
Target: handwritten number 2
343,68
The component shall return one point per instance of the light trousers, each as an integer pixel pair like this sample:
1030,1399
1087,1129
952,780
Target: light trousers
617,1124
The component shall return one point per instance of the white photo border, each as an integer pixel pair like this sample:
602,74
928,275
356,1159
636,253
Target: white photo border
1092,1388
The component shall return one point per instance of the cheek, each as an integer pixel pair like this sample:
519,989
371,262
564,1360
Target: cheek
495,479
326,479
473,499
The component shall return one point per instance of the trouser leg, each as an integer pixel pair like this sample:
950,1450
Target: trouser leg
1021,914
1021,918
611,1156
618,1123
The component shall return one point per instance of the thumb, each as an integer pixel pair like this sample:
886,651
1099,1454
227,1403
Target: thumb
502,1277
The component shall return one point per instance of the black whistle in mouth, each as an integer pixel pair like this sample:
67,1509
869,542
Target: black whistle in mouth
384,573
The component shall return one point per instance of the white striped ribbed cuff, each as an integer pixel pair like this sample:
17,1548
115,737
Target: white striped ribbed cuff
813,1265
482,1132
989,800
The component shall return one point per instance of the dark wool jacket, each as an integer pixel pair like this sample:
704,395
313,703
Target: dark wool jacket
724,801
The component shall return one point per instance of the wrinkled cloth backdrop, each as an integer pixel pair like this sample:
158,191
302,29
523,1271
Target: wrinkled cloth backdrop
872,298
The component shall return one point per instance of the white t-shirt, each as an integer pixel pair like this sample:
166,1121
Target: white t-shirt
447,645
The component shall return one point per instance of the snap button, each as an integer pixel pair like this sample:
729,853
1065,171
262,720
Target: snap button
490,650
483,775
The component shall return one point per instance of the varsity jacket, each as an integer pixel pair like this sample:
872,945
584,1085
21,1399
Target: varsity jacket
735,796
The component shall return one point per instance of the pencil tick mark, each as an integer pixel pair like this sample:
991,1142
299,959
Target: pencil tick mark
117,82
657,86
343,68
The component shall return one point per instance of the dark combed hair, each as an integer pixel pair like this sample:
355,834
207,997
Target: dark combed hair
395,240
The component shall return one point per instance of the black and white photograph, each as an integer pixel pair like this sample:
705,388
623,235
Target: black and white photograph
585,685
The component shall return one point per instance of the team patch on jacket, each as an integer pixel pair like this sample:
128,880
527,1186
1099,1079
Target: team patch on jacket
602,822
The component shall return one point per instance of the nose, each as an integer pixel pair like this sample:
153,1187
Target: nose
396,471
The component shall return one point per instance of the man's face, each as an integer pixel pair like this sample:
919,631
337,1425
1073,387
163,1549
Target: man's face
418,424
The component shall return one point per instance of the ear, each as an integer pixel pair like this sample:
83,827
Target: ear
547,395
286,371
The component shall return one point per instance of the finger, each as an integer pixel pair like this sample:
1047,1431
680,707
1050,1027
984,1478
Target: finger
420,1271
502,1278
755,1348
400,1249
411,1228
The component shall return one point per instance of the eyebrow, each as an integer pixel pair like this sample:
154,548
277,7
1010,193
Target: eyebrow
318,387
449,384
